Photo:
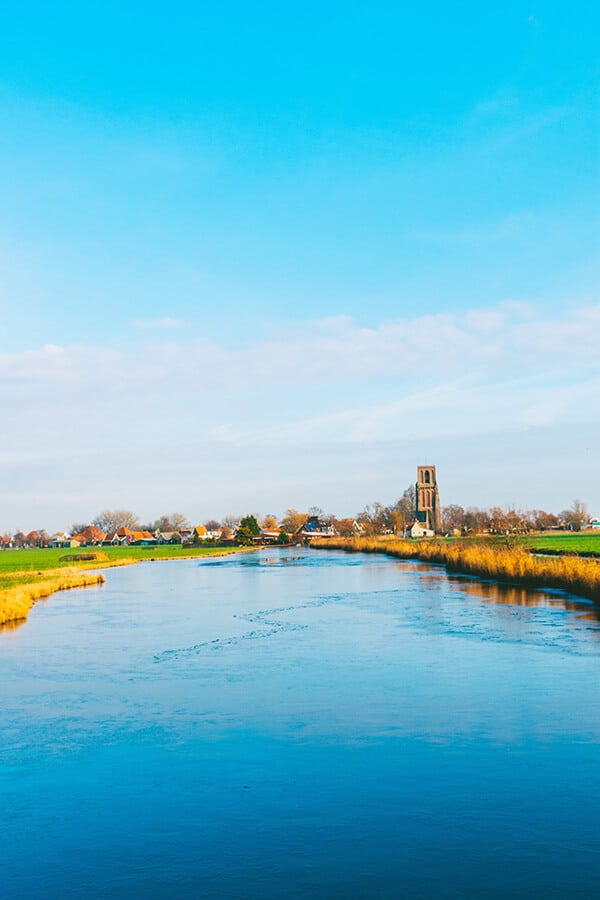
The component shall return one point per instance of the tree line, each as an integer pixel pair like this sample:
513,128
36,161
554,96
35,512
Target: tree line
376,518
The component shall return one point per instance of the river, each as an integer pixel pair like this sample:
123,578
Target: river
298,723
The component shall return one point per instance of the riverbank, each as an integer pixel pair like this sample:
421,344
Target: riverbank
514,565
27,576
16,601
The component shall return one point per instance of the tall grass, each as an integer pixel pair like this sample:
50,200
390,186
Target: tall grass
20,587
511,564
16,601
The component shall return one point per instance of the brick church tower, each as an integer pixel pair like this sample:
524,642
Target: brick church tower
428,511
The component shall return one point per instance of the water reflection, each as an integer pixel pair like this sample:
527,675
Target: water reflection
436,578
12,625
512,595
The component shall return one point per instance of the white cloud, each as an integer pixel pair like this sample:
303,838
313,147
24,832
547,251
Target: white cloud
158,323
510,339
121,418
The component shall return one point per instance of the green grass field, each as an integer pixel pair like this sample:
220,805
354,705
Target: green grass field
558,542
572,542
29,575
35,561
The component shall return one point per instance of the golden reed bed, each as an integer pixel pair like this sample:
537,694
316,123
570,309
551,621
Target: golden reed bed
511,564
16,601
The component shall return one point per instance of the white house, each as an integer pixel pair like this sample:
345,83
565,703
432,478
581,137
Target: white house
417,530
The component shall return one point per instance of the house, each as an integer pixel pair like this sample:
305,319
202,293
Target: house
124,535
314,527
417,530
198,535
89,536
142,538
266,536
167,537
60,539
594,523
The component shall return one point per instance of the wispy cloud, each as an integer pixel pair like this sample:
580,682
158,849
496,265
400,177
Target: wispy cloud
159,323
317,389
511,337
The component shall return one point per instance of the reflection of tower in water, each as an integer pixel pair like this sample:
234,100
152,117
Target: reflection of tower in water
428,498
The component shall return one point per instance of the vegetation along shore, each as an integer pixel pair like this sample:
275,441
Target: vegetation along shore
486,559
30,575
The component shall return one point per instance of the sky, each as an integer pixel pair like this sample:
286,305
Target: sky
259,256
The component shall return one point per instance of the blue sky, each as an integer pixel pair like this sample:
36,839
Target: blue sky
261,255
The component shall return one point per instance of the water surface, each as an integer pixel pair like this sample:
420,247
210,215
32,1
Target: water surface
300,724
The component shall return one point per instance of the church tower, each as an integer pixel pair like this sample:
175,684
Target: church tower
429,512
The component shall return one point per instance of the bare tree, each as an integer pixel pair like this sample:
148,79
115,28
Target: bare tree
113,519
344,527
179,521
541,520
231,522
173,522
377,519
577,516
453,518
407,505
517,521
78,527
212,525
477,521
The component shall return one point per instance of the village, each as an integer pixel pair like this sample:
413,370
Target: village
416,515
92,536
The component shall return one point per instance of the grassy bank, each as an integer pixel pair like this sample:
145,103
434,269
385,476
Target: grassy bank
17,599
578,543
54,558
29,575
582,543
515,565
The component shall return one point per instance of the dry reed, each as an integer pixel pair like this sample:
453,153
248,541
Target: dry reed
16,602
17,599
511,564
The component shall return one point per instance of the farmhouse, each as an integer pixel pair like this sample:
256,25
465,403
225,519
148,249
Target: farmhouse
266,536
417,530
315,527
167,537
90,535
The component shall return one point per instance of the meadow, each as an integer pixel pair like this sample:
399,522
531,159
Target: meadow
587,542
29,575
583,543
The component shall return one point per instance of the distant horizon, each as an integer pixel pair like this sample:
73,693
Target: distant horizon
280,513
